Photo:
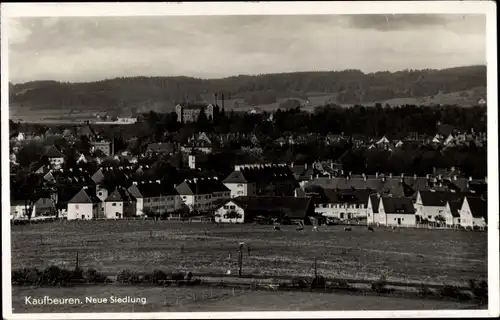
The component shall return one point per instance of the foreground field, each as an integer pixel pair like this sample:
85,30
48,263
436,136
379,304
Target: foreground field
160,299
432,256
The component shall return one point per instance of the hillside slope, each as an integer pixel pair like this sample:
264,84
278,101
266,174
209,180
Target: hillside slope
161,93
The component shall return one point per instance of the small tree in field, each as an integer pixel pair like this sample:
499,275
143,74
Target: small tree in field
440,219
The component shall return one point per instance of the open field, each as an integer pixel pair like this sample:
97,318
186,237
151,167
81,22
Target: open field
202,299
431,256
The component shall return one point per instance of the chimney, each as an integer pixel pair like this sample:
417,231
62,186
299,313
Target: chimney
390,175
470,178
215,99
455,177
216,178
376,174
70,169
134,182
306,166
415,176
427,176
222,98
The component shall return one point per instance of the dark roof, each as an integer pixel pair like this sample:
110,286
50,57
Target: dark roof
64,195
148,190
292,207
478,207
201,186
53,152
455,207
120,194
347,196
85,195
302,171
400,205
375,200
392,186
260,174
440,198
160,147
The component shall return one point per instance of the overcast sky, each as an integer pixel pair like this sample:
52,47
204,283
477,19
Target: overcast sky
88,48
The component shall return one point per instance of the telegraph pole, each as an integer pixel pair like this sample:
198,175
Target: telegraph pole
240,259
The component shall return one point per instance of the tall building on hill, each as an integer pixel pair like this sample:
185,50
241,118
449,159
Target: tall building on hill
190,112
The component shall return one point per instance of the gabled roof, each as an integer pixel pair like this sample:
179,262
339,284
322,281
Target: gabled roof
440,198
399,205
235,177
149,190
455,207
118,195
192,106
85,195
201,186
478,207
292,207
53,152
347,196
375,200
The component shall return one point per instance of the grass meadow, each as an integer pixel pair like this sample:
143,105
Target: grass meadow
410,255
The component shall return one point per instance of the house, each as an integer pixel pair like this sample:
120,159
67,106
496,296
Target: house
343,205
55,157
190,112
84,159
474,212
18,206
258,179
246,209
21,136
119,204
85,205
200,143
105,147
160,148
481,102
391,211
202,194
154,197
434,206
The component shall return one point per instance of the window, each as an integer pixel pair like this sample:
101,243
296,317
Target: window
114,204
100,193
240,185
231,207
77,206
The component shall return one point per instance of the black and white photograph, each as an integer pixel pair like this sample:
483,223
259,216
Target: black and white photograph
261,160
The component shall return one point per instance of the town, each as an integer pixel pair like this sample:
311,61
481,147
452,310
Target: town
365,165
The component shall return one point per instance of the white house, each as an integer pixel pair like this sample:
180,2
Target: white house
18,210
230,212
152,196
391,211
343,205
239,185
202,194
430,205
56,158
474,212
21,136
119,204
243,209
85,205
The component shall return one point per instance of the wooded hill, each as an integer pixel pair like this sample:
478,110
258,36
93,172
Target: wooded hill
161,93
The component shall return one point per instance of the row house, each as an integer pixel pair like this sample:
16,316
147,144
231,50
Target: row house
474,212
253,180
434,206
246,209
154,197
202,194
344,205
391,211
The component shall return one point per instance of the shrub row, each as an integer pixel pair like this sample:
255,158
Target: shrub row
157,277
55,276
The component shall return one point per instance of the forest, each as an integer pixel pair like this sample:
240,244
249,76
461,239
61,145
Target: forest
348,87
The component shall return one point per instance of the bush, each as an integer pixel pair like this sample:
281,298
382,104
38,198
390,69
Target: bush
54,275
480,291
177,276
449,291
25,276
300,283
380,285
340,284
92,276
425,291
318,282
128,277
